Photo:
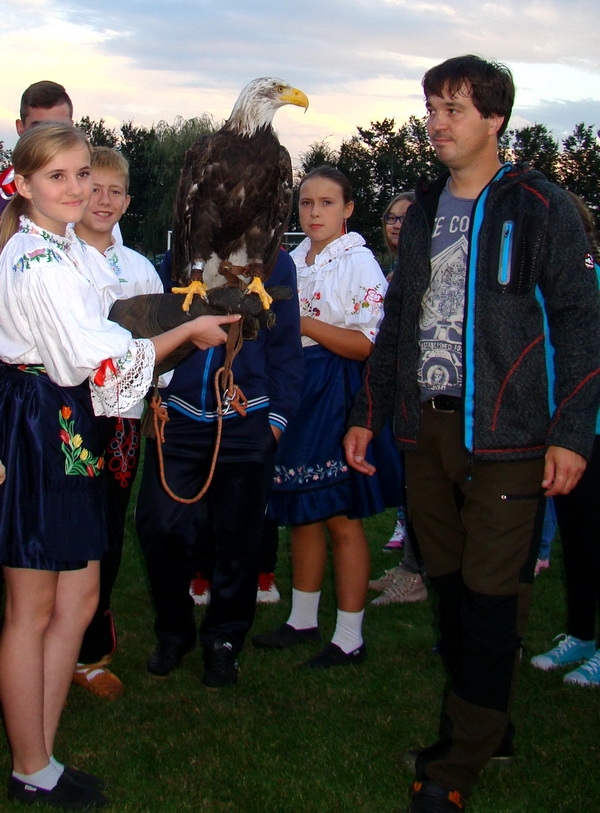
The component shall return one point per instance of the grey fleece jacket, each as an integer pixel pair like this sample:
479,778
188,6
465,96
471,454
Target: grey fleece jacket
530,281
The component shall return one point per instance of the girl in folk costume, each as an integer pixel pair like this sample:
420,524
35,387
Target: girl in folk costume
62,364
341,289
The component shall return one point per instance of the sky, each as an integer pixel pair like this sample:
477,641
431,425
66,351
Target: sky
358,61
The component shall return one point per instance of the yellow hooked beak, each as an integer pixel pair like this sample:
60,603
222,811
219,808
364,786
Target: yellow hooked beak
292,95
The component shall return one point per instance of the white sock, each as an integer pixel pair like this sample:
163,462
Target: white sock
46,779
58,765
305,608
348,631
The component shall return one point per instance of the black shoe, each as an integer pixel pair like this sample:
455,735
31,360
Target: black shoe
428,797
332,655
168,656
86,780
286,636
222,665
408,760
68,794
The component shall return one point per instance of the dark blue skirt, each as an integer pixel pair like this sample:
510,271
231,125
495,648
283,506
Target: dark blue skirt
53,501
312,479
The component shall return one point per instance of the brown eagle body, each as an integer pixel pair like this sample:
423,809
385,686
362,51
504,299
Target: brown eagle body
235,193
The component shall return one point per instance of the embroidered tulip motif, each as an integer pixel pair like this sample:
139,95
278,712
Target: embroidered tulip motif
78,459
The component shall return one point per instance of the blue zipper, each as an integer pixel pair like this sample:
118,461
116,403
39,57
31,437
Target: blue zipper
469,317
504,260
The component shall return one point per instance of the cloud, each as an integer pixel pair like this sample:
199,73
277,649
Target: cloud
357,60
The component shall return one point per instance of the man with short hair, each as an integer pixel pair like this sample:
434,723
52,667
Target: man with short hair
493,265
42,101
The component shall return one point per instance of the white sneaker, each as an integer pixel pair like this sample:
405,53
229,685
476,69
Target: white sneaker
267,592
407,588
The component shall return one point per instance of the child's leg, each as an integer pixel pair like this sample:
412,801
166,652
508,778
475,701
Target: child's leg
76,600
351,562
309,556
30,597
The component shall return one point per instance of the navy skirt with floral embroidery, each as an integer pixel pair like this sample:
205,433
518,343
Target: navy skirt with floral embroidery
53,502
312,479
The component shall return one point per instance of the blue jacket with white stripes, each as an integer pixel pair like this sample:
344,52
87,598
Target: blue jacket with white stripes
268,369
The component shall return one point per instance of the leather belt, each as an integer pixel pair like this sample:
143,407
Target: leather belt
445,403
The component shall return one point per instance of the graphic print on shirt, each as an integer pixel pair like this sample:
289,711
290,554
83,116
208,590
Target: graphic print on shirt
442,307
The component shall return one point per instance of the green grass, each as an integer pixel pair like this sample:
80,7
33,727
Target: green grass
289,741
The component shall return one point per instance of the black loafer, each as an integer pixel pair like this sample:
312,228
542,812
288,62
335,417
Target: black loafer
286,636
332,656
167,657
85,779
67,794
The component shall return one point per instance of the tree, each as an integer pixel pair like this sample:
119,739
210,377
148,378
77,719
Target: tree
381,162
136,144
534,145
98,134
580,165
167,155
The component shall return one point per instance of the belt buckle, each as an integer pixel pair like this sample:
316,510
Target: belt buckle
440,408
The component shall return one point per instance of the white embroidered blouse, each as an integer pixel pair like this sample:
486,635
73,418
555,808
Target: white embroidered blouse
54,300
344,287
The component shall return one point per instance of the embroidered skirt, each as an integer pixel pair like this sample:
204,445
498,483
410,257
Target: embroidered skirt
312,479
53,501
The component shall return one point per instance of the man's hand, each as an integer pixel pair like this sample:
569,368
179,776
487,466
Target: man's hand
562,471
356,443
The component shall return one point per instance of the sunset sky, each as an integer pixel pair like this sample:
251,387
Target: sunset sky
358,60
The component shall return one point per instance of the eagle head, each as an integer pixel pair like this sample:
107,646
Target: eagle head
259,101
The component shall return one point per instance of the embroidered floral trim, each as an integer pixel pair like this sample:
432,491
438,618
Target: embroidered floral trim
27,226
78,459
307,308
40,255
367,298
310,474
35,369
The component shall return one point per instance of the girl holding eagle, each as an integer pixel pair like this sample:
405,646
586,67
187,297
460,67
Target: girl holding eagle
63,366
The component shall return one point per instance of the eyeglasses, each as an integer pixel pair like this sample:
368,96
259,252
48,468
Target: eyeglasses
391,219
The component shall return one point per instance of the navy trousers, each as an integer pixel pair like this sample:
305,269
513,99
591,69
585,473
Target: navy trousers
224,528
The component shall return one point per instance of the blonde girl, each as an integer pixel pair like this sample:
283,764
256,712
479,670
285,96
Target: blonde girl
64,368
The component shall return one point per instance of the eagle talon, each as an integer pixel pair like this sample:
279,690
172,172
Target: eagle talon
257,287
196,286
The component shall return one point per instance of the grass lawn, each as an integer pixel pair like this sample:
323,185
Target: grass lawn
289,741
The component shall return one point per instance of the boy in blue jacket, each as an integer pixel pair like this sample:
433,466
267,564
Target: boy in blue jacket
227,522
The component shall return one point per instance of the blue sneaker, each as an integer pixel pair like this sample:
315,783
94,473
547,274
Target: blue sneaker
588,674
570,650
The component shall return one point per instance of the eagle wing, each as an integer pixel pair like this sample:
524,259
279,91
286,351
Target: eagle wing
233,203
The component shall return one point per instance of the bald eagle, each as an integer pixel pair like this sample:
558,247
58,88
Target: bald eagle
234,197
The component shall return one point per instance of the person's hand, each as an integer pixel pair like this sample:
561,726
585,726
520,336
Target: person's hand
206,331
2,473
276,433
356,443
562,470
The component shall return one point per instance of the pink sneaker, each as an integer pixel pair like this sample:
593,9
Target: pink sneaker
396,541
